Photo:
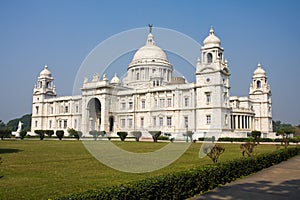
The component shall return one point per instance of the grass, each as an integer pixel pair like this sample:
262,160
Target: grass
45,169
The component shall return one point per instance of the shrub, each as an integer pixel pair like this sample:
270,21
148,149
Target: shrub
137,135
188,183
74,133
5,133
155,135
122,135
49,132
213,152
23,134
247,148
162,137
60,134
256,135
96,134
41,133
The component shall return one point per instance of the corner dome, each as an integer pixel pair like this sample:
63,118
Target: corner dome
259,71
150,51
211,40
45,72
115,80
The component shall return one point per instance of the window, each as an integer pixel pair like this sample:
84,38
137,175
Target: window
155,103
186,102
129,122
142,121
137,76
37,110
75,123
143,104
77,109
169,122
226,119
50,123
208,119
66,109
154,121
51,110
161,121
161,103
59,123
130,105
169,102
186,121
122,123
209,58
123,106
65,124
36,123
208,97
258,84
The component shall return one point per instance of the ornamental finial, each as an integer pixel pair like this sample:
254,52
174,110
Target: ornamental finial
150,27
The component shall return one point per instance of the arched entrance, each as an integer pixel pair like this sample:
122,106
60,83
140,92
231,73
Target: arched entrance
94,114
111,124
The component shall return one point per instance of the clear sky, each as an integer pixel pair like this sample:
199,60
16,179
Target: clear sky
61,33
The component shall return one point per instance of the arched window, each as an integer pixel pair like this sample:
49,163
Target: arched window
258,84
209,58
137,76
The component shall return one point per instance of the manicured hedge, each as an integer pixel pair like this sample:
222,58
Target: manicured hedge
250,139
185,184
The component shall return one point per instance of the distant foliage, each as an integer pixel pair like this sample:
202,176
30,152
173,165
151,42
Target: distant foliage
213,152
25,119
122,135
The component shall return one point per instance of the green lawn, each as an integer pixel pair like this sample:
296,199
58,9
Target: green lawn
32,169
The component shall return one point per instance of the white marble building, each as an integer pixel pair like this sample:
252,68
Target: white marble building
151,98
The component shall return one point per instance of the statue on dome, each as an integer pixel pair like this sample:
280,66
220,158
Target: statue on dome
19,127
150,27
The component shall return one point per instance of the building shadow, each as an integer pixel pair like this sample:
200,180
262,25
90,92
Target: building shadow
258,190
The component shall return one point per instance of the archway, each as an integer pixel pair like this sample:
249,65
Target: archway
94,114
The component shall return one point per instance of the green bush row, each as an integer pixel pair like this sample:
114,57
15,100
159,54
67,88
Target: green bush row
185,184
249,139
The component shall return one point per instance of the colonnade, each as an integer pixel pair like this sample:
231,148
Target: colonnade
241,121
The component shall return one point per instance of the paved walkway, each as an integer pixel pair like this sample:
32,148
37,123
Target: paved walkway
280,181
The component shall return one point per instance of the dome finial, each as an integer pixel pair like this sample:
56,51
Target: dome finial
150,27
211,31
259,65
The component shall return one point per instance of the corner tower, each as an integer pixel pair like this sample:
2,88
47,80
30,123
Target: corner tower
260,95
44,89
212,86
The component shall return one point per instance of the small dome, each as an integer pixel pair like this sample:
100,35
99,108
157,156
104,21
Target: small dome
212,40
259,71
115,80
150,51
45,72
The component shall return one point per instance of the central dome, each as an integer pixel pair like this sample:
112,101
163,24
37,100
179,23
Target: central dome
150,51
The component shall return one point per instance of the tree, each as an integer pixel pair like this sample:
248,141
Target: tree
41,133
2,124
23,133
155,135
277,125
285,134
25,119
60,134
256,136
213,152
5,133
122,135
137,135
49,133
247,148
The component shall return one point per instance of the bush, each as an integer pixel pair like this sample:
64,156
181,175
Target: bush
161,137
74,133
137,135
49,133
155,135
41,133
23,134
122,135
5,133
96,134
213,152
188,183
247,148
60,134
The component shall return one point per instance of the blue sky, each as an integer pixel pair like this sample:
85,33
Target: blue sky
62,33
